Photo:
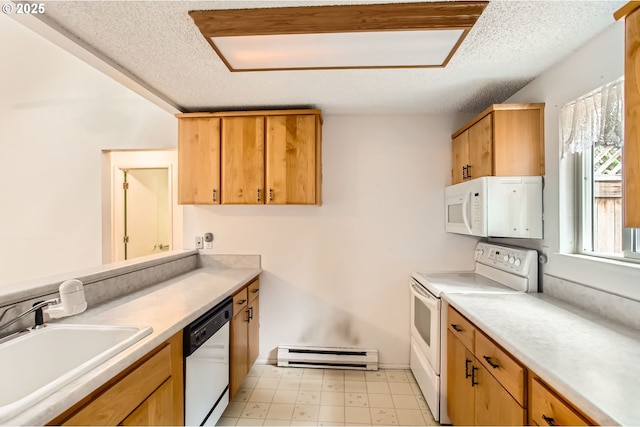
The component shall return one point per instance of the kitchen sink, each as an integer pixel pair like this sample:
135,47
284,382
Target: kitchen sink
39,362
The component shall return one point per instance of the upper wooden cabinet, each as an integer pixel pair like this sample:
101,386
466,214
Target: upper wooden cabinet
243,160
199,160
293,153
264,157
504,140
631,149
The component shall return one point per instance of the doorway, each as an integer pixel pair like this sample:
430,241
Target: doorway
141,216
146,213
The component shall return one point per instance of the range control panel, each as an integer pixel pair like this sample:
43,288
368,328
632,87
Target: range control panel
518,261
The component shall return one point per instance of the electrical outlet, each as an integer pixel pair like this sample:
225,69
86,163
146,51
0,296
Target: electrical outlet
208,245
199,244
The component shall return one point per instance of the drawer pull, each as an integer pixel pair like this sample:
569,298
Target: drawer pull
242,301
473,376
550,421
466,368
491,363
255,290
456,327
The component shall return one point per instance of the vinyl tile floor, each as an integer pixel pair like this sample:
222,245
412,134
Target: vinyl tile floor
273,396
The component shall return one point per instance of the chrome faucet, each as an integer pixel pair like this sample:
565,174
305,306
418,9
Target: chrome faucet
71,301
37,307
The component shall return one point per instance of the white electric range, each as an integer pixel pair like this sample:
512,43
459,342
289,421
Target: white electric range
498,269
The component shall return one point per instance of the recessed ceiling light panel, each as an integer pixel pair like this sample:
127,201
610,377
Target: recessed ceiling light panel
338,50
395,35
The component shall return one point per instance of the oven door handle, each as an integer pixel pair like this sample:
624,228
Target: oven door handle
423,295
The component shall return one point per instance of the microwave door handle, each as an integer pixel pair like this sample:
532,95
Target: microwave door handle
465,212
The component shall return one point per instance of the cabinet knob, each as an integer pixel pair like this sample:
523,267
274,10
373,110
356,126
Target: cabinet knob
242,301
550,421
456,327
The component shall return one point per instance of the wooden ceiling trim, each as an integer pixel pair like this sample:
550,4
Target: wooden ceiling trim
338,19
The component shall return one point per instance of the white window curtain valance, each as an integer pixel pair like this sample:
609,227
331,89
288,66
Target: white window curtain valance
593,119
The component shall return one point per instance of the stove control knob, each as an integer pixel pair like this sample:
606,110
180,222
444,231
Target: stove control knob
505,258
518,262
479,252
511,260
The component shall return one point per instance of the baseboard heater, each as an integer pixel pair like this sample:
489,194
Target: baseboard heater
328,357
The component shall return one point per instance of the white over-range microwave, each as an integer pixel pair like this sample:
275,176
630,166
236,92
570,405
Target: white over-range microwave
495,206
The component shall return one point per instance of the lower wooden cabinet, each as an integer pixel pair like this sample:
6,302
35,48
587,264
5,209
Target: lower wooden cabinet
150,392
245,334
488,386
549,409
474,396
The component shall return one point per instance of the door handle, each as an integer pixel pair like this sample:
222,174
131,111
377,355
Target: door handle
466,368
473,376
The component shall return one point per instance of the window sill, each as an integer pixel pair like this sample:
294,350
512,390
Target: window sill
609,275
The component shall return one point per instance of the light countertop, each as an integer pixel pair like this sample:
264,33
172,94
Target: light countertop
592,362
167,307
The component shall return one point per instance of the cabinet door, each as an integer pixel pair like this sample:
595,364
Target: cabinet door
243,160
493,405
460,394
631,163
460,156
291,159
481,148
239,350
157,410
254,331
517,147
199,160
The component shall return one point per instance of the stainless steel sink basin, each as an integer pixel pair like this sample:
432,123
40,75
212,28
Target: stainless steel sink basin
38,363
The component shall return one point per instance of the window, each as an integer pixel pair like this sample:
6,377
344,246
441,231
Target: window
592,132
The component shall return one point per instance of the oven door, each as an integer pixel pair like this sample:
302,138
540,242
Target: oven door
425,324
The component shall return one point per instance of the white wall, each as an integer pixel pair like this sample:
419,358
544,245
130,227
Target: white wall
598,62
57,114
338,274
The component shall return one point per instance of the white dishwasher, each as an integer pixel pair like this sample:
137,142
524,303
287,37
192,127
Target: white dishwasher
206,352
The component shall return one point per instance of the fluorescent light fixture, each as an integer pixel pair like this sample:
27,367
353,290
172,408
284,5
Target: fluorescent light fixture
339,50
398,35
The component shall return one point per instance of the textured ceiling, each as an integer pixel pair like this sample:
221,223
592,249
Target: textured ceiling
157,43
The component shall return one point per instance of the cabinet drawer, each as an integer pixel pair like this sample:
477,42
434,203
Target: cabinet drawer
240,301
548,409
254,289
461,328
508,372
